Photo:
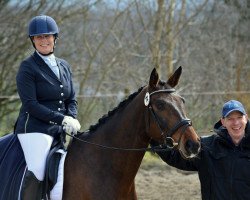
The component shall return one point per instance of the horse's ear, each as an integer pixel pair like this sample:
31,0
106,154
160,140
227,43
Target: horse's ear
154,78
174,79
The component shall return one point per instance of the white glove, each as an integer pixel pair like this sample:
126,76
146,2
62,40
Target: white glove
70,125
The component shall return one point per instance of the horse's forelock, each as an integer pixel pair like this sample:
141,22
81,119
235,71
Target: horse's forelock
162,83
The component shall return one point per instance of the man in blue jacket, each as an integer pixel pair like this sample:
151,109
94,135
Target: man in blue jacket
45,87
223,164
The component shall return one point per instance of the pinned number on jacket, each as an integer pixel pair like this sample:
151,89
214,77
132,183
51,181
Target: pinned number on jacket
147,99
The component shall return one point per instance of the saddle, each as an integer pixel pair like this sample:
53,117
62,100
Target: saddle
52,168
13,165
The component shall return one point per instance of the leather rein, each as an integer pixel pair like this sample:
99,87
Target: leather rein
168,140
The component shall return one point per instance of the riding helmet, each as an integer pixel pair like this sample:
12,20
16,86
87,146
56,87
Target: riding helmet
43,25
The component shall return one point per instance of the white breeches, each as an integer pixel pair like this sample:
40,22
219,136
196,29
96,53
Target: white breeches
36,147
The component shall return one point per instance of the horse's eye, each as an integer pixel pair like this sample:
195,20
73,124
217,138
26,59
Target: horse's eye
160,105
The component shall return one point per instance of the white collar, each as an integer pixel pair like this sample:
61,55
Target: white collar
50,59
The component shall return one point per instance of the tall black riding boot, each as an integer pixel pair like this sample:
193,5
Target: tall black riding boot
31,187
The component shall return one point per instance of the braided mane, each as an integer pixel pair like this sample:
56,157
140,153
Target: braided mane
122,104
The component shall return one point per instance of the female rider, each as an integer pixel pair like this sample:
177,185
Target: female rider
44,84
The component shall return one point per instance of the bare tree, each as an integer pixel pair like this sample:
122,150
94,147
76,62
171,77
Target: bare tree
112,47
159,23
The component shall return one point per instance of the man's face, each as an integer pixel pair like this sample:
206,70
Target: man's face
235,123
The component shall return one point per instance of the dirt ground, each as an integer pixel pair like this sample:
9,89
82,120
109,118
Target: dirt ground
157,181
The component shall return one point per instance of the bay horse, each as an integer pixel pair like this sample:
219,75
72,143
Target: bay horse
155,112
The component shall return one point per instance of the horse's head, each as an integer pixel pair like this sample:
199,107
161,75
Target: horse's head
166,118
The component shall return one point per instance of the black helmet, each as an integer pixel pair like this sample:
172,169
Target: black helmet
43,24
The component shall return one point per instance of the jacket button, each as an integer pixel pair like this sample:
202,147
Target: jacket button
61,86
60,102
62,94
59,109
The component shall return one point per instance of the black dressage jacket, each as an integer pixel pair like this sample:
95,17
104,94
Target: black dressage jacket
223,168
45,98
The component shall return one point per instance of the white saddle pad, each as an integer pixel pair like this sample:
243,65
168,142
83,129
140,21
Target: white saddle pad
57,191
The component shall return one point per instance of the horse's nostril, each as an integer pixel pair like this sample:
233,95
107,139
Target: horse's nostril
192,147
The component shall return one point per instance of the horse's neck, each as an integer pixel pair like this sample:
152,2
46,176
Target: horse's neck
129,132
130,124
125,129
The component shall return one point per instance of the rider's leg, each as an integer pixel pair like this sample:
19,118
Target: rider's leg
31,187
36,147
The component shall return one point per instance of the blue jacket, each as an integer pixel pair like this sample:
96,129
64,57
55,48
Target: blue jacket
223,168
45,99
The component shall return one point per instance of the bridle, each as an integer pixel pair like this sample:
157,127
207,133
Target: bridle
167,136
168,140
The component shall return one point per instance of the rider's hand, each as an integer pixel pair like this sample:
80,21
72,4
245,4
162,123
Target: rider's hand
70,125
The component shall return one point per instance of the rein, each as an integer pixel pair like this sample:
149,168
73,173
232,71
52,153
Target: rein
158,148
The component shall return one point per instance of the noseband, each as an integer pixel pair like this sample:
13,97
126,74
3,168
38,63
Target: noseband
167,136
